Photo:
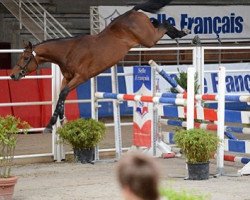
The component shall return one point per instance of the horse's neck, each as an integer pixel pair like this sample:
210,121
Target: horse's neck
50,52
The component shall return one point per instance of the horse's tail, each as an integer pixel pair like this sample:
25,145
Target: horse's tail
152,6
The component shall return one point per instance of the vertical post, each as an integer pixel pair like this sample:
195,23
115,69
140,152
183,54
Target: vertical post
220,44
201,70
178,52
94,29
57,147
199,67
45,25
190,98
94,108
221,120
155,130
20,14
116,113
198,62
53,99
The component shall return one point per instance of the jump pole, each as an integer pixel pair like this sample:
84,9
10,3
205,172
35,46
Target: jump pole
116,114
166,76
190,98
221,120
94,108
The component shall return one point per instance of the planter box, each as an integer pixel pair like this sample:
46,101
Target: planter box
198,171
85,155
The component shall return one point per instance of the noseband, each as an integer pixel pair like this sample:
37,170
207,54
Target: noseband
24,68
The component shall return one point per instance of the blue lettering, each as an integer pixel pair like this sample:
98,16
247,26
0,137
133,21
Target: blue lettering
210,25
238,23
159,18
232,22
247,82
199,27
239,84
207,25
184,21
205,86
216,26
230,84
163,17
171,21
214,78
226,25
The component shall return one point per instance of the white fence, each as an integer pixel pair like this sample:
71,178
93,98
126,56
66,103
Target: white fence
198,54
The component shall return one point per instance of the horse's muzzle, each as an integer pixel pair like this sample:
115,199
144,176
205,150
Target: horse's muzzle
15,77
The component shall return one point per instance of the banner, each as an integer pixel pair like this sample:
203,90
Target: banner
143,111
237,78
208,22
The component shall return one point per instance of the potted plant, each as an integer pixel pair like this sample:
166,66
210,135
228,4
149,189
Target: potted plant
198,146
83,135
182,81
9,128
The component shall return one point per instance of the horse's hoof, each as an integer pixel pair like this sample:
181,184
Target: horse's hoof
187,31
47,130
63,121
184,32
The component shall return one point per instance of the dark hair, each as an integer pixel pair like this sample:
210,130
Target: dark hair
140,173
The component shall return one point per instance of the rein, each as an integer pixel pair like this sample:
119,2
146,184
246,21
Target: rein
24,69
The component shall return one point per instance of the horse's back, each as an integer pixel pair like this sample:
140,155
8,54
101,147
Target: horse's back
130,20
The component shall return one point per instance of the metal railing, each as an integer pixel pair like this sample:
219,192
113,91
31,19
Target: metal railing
33,16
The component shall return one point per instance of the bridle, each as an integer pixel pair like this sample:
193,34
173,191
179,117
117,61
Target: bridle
24,68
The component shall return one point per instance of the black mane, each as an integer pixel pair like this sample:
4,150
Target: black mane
57,39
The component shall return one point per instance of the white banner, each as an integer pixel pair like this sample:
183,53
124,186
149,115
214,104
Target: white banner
225,22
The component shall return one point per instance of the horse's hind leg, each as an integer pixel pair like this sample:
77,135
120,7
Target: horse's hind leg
173,32
155,22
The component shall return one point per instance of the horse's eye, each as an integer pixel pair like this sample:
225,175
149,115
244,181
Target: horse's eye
26,59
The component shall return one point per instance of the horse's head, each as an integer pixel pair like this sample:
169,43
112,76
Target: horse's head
26,63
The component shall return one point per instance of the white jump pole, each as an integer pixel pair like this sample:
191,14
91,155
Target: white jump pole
59,146
53,106
56,85
94,108
190,98
117,114
221,120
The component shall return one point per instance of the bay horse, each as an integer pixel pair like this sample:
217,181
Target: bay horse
83,57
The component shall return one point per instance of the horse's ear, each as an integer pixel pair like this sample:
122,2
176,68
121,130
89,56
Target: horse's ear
27,44
30,45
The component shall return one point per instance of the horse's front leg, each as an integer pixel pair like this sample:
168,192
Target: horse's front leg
59,111
62,117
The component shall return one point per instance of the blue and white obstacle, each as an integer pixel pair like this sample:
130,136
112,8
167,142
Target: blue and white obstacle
220,116
166,76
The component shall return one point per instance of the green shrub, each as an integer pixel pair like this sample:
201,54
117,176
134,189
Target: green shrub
9,128
82,133
197,144
171,194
